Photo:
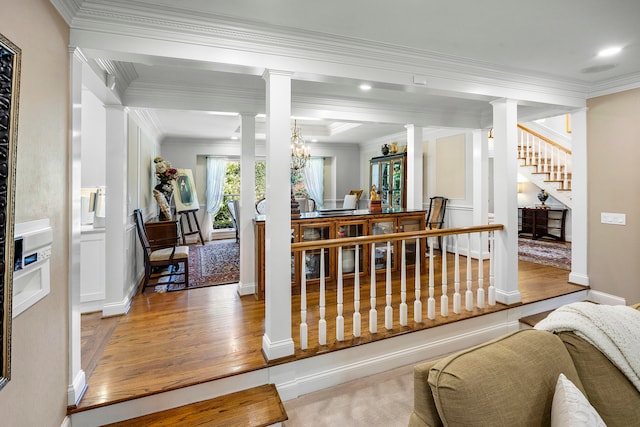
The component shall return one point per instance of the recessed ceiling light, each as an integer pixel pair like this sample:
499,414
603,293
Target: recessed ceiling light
610,51
234,137
222,113
365,86
314,140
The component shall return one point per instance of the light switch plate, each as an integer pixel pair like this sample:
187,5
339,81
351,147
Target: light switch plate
613,218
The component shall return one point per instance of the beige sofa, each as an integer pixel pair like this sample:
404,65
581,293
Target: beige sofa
510,381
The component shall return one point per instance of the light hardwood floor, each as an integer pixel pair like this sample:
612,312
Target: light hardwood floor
173,340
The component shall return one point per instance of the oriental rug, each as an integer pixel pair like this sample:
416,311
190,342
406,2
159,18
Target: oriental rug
553,254
216,263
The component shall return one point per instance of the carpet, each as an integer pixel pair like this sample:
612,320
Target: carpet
546,253
384,400
216,263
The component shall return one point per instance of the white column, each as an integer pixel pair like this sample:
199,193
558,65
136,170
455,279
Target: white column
579,229
247,204
117,299
414,167
480,166
505,179
77,379
277,341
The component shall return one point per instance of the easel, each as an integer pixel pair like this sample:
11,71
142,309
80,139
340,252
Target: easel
192,230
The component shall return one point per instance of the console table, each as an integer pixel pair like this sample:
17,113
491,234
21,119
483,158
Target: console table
542,222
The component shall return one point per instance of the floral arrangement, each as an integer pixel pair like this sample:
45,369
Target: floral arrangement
299,189
165,174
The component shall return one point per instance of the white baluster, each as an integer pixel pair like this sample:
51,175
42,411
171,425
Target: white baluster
304,330
356,294
388,310
480,296
546,158
522,135
373,313
456,279
431,302
339,301
417,304
468,296
492,289
322,323
444,298
565,179
403,286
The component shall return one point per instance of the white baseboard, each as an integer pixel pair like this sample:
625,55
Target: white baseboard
604,298
246,288
76,390
579,279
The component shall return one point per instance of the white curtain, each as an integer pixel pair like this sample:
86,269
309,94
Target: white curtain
314,179
216,172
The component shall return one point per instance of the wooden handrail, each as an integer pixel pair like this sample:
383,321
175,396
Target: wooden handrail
545,139
364,240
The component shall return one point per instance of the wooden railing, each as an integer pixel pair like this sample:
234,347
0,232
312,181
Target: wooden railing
451,238
547,156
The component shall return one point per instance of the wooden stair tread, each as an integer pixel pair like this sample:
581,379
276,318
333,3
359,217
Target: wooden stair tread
534,318
258,406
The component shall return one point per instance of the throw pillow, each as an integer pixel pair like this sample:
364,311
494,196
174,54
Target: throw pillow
570,408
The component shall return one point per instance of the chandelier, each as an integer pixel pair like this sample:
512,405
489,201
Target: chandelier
300,151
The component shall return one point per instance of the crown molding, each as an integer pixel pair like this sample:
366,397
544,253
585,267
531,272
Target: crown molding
307,49
628,82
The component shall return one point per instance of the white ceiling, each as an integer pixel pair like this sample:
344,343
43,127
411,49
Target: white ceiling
550,41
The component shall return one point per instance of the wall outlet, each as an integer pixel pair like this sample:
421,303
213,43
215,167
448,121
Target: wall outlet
613,218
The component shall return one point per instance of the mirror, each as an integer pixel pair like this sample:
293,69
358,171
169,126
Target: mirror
9,95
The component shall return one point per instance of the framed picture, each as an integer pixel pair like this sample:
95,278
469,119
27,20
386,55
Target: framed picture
10,56
184,192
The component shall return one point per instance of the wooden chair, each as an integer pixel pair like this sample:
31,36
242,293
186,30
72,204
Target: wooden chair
435,216
161,250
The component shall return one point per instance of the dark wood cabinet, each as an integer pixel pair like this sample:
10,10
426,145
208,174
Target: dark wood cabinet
388,174
540,223
311,227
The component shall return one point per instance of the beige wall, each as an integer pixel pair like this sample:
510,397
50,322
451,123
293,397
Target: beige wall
613,128
37,392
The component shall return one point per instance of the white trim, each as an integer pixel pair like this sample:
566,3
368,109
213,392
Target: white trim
604,298
579,279
76,390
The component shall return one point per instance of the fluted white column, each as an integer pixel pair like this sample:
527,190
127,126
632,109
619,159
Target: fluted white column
579,229
414,167
277,341
505,178
247,204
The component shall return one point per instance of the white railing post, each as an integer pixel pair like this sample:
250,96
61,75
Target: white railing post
322,323
356,294
480,296
492,289
403,286
373,313
431,302
304,330
444,298
417,304
388,310
468,296
456,279
339,301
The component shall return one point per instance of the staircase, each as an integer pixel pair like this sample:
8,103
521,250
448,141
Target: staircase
545,163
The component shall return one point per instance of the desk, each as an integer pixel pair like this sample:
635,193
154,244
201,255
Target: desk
540,222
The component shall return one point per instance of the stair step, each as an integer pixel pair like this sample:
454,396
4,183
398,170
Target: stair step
534,318
258,406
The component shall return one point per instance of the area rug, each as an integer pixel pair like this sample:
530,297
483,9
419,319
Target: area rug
216,263
546,253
